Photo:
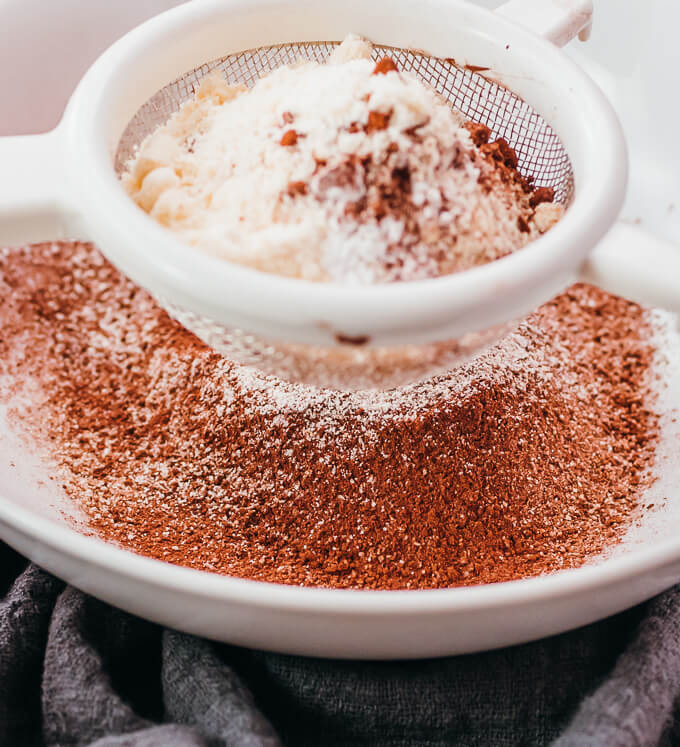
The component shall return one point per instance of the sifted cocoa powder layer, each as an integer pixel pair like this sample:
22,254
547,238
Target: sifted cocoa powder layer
530,459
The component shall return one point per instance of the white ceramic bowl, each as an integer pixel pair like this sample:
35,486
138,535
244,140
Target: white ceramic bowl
345,623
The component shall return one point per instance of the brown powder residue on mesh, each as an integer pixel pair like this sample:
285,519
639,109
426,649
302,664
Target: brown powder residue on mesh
528,460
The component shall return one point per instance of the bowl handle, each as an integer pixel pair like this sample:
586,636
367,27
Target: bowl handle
632,263
559,21
35,202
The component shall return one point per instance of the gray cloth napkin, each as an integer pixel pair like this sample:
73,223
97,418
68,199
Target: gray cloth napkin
74,671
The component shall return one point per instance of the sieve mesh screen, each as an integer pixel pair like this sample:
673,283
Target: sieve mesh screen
542,157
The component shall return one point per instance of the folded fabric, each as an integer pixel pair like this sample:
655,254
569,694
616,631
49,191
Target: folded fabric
74,671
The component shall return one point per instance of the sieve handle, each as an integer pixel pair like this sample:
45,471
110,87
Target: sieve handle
634,264
558,21
34,198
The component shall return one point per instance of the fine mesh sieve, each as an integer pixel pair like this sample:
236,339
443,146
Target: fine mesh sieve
542,159
501,68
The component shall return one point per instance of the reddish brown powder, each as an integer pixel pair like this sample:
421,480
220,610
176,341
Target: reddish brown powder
528,460
384,66
289,137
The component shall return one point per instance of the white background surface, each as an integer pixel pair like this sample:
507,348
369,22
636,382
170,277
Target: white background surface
47,45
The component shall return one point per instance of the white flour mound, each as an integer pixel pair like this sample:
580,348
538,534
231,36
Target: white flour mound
331,172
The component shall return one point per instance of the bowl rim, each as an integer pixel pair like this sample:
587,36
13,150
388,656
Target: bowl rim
357,603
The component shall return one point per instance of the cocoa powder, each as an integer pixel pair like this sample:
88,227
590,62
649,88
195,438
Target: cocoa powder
385,65
386,190
530,459
289,137
377,121
541,195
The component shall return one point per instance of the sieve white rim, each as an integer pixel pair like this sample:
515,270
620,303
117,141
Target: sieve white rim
295,310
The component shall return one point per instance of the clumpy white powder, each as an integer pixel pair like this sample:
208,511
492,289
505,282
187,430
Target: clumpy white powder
345,171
